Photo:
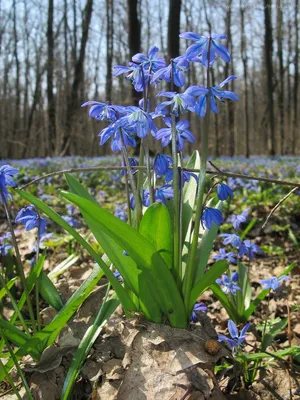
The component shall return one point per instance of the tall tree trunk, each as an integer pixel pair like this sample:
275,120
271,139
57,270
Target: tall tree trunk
17,82
174,28
269,72
50,67
296,81
109,46
134,36
281,74
73,101
289,88
245,75
229,68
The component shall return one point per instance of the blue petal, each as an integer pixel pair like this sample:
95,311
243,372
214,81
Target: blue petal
221,51
232,329
190,36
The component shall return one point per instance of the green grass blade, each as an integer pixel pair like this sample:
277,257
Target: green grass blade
13,334
224,300
9,285
49,292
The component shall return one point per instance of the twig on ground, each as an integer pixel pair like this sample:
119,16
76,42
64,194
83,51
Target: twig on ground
278,205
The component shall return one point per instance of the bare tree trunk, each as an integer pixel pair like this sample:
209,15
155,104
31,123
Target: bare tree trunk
289,88
174,28
73,101
17,83
245,75
281,74
269,72
50,94
109,47
296,80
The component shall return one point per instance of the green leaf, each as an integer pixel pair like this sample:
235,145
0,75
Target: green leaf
49,292
47,335
207,280
224,300
294,350
85,345
243,297
144,254
254,304
9,285
273,332
156,227
13,334
123,296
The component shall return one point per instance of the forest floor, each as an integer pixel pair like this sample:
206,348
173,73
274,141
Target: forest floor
279,242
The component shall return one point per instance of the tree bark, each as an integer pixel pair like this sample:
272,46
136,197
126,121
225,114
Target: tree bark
174,28
109,47
50,68
281,74
296,81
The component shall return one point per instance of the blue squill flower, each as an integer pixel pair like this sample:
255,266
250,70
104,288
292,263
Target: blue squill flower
224,191
182,133
104,111
132,162
180,67
138,121
229,285
230,256
238,219
115,130
186,176
181,102
6,179
215,93
151,63
162,163
248,249
4,247
135,73
274,282
198,307
210,216
29,217
73,222
200,48
237,339
120,212
231,238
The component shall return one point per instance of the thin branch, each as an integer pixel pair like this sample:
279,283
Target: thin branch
278,205
218,172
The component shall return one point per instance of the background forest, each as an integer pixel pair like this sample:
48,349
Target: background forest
57,54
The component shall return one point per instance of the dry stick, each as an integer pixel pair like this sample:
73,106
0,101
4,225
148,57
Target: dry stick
278,205
218,172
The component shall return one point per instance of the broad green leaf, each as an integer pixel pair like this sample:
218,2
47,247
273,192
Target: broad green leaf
224,300
49,292
85,345
207,280
124,264
243,297
144,254
9,285
13,334
123,296
254,304
272,333
156,227
47,335
63,266
294,350
205,246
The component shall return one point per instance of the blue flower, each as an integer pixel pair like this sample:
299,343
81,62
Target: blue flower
120,212
181,102
138,121
229,285
249,249
210,216
132,162
200,48
29,217
215,92
152,63
237,339
237,220
115,130
186,176
182,134
104,111
4,247
118,276
198,307
224,191
73,222
6,174
180,67
230,256
162,163
231,238
274,282
135,74
161,195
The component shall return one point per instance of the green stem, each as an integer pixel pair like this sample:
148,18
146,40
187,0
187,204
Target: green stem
15,306
19,265
10,381
191,265
147,159
14,358
127,192
37,283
